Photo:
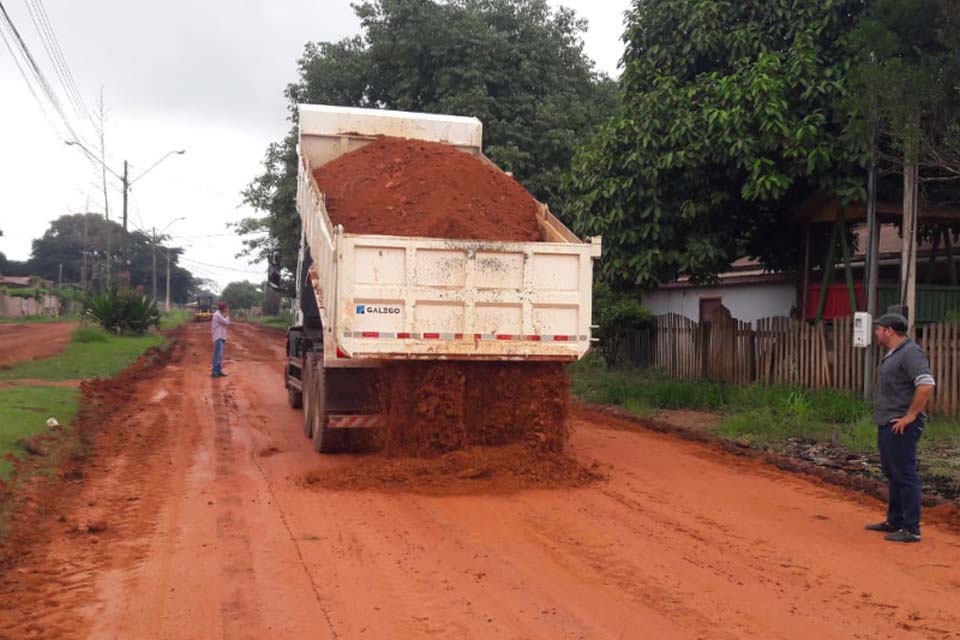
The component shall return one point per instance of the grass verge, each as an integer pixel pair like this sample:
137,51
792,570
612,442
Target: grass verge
766,417
92,353
175,318
281,321
23,414
39,319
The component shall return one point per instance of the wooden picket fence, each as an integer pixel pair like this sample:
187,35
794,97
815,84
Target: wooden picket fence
785,351
942,343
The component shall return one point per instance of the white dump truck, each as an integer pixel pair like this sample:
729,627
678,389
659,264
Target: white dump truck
363,300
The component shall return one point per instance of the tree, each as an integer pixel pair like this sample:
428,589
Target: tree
517,65
905,78
78,242
242,295
730,113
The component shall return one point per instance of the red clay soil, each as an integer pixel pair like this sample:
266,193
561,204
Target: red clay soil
433,408
490,470
402,187
32,340
177,528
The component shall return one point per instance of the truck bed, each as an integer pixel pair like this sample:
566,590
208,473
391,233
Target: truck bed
391,297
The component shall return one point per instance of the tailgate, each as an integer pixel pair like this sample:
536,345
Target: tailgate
430,298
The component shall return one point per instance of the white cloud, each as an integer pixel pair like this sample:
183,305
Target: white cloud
206,77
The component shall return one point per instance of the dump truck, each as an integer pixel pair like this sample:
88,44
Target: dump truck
365,300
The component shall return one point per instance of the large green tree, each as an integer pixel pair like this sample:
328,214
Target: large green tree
517,65
730,114
78,243
242,295
905,99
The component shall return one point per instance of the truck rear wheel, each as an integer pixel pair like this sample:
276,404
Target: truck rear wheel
325,439
311,363
294,398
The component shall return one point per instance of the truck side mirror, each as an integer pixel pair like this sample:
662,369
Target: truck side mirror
273,277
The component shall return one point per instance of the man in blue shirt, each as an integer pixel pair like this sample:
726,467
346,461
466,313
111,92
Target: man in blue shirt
904,385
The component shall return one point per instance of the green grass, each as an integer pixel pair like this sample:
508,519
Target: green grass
92,354
175,318
37,319
765,416
281,321
24,412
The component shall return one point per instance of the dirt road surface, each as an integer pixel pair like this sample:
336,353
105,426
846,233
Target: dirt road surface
191,521
32,340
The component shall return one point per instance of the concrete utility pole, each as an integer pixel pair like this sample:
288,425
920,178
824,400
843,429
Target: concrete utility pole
873,268
60,277
166,306
154,263
126,237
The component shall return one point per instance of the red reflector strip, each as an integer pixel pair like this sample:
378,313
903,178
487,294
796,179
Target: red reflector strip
501,336
370,334
404,336
561,338
458,336
341,353
533,338
431,336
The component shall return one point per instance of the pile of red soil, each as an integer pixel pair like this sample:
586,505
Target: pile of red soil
505,469
433,408
414,188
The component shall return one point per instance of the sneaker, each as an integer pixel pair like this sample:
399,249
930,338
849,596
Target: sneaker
903,536
884,526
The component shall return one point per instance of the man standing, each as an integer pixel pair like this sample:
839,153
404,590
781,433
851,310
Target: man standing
218,327
904,385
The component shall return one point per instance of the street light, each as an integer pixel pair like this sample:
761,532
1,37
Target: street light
155,243
126,187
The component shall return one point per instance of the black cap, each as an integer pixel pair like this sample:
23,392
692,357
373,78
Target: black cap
893,320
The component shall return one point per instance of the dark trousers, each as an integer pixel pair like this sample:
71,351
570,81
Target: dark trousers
898,459
218,356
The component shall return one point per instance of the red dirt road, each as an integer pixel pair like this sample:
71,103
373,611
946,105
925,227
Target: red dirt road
32,340
189,525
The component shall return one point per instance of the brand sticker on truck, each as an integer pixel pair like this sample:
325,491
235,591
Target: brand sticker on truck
363,309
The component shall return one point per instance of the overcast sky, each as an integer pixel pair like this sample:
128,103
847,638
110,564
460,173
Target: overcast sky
207,77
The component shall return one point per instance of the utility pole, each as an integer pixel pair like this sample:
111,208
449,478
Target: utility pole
126,236
60,277
154,263
873,264
106,199
167,305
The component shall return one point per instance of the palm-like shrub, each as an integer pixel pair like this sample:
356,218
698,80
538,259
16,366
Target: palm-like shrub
123,312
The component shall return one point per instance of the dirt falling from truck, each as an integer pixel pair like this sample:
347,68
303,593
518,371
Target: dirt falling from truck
437,407
414,188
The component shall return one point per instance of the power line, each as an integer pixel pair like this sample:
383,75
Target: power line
35,68
47,39
71,81
26,80
216,266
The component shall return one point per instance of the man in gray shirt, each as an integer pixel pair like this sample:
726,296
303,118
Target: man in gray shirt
904,385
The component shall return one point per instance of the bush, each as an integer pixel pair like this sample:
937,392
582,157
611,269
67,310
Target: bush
618,315
87,335
123,312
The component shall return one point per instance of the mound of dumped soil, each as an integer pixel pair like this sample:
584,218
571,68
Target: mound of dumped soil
402,187
433,408
505,469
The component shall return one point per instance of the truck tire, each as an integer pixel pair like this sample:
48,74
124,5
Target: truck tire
325,439
310,366
295,398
